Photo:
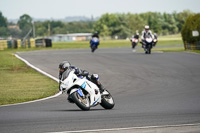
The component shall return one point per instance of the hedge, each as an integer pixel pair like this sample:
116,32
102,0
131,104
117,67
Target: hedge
192,24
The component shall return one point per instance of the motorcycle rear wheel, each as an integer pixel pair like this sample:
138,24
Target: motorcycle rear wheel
82,103
107,101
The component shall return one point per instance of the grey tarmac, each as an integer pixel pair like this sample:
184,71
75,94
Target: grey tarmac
149,90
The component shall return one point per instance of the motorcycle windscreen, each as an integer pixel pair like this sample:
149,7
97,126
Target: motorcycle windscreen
65,74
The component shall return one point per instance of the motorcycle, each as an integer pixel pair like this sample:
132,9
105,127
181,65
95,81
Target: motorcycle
154,42
134,42
84,93
94,43
147,45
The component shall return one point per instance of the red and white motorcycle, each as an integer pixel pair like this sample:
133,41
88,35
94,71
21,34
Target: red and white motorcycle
134,42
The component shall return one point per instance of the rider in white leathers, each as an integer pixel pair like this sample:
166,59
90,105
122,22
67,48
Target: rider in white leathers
146,33
63,66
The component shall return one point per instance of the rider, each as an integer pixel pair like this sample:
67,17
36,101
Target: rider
146,33
136,36
94,35
65,65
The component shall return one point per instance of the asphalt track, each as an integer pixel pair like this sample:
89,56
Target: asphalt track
149,90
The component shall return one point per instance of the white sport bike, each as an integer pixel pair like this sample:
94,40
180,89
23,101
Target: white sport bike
84,93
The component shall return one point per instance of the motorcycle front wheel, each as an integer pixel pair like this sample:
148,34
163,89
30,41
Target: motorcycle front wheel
107,101
81,102
148,49
93,49
133,44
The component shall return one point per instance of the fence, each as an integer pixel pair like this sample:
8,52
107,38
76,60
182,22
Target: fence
192,46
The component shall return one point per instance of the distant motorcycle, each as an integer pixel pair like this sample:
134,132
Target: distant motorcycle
94,43
147,45
154,42
134,42
84,93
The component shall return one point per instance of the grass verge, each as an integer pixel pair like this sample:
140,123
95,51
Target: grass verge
109,44
20,83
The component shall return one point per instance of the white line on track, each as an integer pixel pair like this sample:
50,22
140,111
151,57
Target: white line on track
129,128
39,70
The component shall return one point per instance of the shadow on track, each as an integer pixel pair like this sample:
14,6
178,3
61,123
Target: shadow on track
75,110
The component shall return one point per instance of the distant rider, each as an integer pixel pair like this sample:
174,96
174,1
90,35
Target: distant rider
65,65
136,36
155,39
146,33
93,36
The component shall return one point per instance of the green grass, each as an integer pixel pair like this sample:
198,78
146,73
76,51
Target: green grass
169,42
109,44
171,37
20,83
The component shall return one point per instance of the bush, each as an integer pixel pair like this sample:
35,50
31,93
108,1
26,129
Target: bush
192,24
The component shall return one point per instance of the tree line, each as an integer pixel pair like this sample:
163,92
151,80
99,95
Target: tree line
108,25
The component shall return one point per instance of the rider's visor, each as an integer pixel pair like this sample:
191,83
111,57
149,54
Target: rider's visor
62,70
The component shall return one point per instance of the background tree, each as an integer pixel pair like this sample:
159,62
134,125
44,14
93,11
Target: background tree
3,26
108,25
25,24
181,18
79,27
121,29
135,22
192,24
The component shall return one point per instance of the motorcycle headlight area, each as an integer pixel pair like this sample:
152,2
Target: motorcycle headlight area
64,85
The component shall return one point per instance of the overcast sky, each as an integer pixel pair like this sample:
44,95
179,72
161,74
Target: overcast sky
13,9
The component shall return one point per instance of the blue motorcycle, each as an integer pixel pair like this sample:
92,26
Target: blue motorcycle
94,44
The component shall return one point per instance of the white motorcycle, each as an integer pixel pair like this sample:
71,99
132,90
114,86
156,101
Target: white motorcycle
84,93
147,45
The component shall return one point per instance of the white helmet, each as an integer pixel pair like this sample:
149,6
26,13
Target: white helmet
146,27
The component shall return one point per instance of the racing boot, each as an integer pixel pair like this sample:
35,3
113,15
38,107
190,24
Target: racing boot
101,88
95,79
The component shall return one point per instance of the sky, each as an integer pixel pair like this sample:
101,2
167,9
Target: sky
59,9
